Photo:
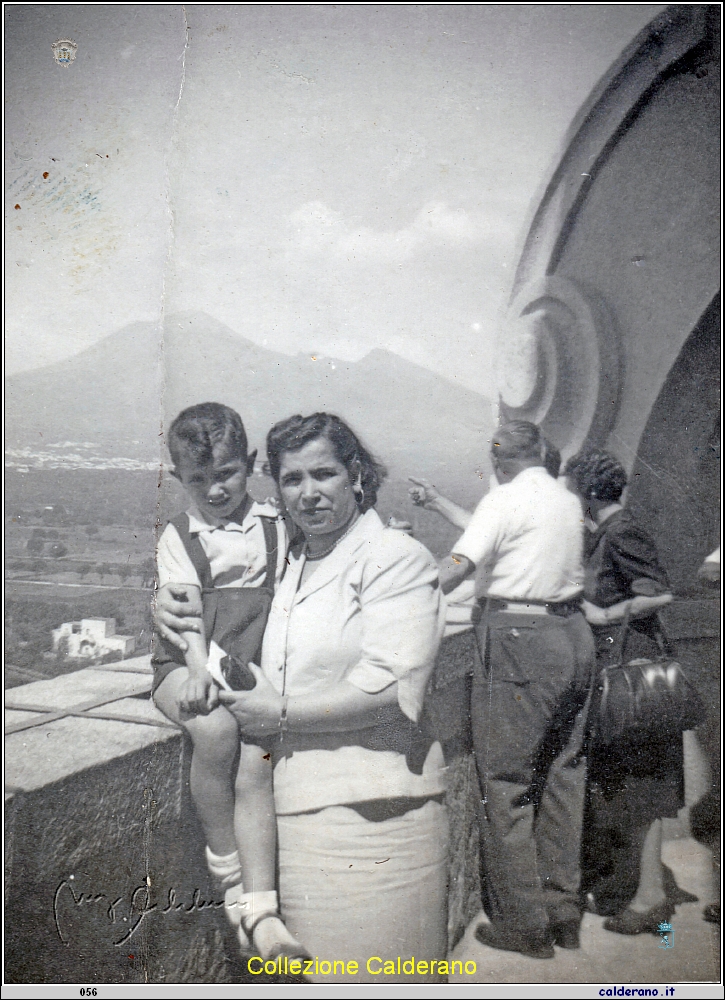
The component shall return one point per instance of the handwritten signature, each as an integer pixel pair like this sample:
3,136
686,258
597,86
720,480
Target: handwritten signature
130,911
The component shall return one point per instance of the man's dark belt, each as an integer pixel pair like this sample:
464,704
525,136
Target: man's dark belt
562,609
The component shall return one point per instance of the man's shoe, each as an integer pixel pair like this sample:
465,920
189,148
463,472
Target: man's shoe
635,922
535,944
565,933
711,913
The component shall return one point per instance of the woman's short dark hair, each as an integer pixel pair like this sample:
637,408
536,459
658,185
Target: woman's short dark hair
295,432
597,475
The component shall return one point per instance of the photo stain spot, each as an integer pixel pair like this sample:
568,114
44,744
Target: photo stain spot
266,756
46,175
17,206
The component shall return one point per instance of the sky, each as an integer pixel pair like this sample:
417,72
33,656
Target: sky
323,178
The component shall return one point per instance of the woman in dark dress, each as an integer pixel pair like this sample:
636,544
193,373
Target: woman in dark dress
630,787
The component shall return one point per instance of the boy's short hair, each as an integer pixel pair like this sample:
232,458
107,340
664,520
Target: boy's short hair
199,430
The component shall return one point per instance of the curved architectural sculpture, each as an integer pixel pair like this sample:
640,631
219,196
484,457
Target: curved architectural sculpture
613,322
622,256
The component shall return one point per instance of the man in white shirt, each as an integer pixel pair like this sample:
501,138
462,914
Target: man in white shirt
530,695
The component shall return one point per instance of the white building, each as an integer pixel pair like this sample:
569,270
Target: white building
92,637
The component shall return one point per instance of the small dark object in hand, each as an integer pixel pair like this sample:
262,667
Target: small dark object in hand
237,674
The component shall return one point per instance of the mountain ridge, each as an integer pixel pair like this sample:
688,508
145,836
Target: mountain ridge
111,394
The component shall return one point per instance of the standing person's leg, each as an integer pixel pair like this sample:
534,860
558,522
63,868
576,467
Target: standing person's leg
562,766
558,828
514,701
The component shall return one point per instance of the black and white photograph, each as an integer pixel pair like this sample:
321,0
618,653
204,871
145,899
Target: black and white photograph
418,307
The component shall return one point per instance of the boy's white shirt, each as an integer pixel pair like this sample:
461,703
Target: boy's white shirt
237,553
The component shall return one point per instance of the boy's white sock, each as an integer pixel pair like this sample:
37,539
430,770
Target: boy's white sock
224,867
235,909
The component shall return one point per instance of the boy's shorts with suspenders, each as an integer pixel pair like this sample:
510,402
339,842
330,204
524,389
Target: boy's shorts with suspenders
234,617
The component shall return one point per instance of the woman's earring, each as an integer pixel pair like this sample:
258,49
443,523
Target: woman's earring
358,492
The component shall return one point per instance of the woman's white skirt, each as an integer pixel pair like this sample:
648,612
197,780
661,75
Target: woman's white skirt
375,893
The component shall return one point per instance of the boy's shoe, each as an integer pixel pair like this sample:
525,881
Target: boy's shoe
264,927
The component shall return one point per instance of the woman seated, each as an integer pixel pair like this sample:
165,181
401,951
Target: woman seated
348,650
631,787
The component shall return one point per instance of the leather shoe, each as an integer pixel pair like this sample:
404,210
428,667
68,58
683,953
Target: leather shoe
535,944
565,933
675,894
711,913
633,922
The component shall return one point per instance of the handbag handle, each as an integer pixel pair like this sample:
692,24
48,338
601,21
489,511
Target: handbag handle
619,657
660,637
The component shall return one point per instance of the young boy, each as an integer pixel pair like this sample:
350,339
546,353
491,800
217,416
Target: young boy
232,549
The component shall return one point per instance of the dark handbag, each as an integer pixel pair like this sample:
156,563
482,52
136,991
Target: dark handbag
645,699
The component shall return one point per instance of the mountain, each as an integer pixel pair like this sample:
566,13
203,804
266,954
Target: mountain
110,396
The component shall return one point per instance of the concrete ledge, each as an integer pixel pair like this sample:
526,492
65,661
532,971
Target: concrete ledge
72,690
45,755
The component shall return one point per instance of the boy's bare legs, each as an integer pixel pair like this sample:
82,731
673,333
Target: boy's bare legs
215,738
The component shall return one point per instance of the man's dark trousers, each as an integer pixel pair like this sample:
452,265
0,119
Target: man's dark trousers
529,703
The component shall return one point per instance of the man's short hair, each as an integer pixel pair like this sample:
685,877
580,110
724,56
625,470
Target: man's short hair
517,439
201,430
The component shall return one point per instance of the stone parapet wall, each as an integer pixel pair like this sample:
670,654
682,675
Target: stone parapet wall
98,811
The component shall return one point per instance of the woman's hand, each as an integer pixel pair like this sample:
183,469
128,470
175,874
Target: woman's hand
257,711
637,607
177,609
595,615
